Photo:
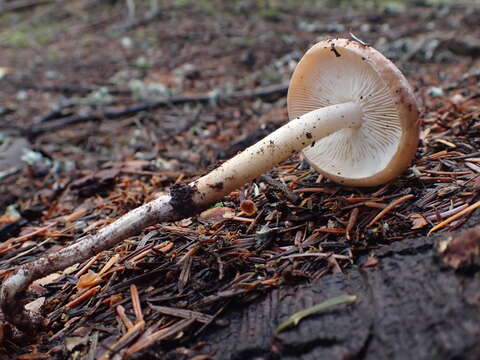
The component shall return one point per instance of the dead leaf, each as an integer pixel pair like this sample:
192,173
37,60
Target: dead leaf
418,221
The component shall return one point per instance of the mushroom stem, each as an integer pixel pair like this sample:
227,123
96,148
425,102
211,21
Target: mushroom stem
275,148
184,201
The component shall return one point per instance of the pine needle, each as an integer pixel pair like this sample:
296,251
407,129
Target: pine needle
455,217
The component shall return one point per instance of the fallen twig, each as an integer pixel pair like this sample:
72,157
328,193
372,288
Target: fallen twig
52,125
22,5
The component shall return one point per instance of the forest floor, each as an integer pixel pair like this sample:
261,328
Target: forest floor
99,114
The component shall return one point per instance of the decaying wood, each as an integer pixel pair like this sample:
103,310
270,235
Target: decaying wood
410,305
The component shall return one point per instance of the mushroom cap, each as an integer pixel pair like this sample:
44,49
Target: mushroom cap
341,70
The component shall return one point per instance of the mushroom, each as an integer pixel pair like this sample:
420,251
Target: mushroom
353,115
383,137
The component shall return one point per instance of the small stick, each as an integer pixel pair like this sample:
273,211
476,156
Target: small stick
279,90
455,217
389,207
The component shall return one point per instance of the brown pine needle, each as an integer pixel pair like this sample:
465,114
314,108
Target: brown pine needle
126,321
373,204
164,247
112,261
74,216
84,296
238,218
327,230
125,338
87,266
390,207
161,334
314,190
141,255
137,308
29,235
455,217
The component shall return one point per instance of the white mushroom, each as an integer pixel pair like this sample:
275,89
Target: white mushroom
353,115
382,144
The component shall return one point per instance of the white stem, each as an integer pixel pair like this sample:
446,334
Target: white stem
275,148
184,200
